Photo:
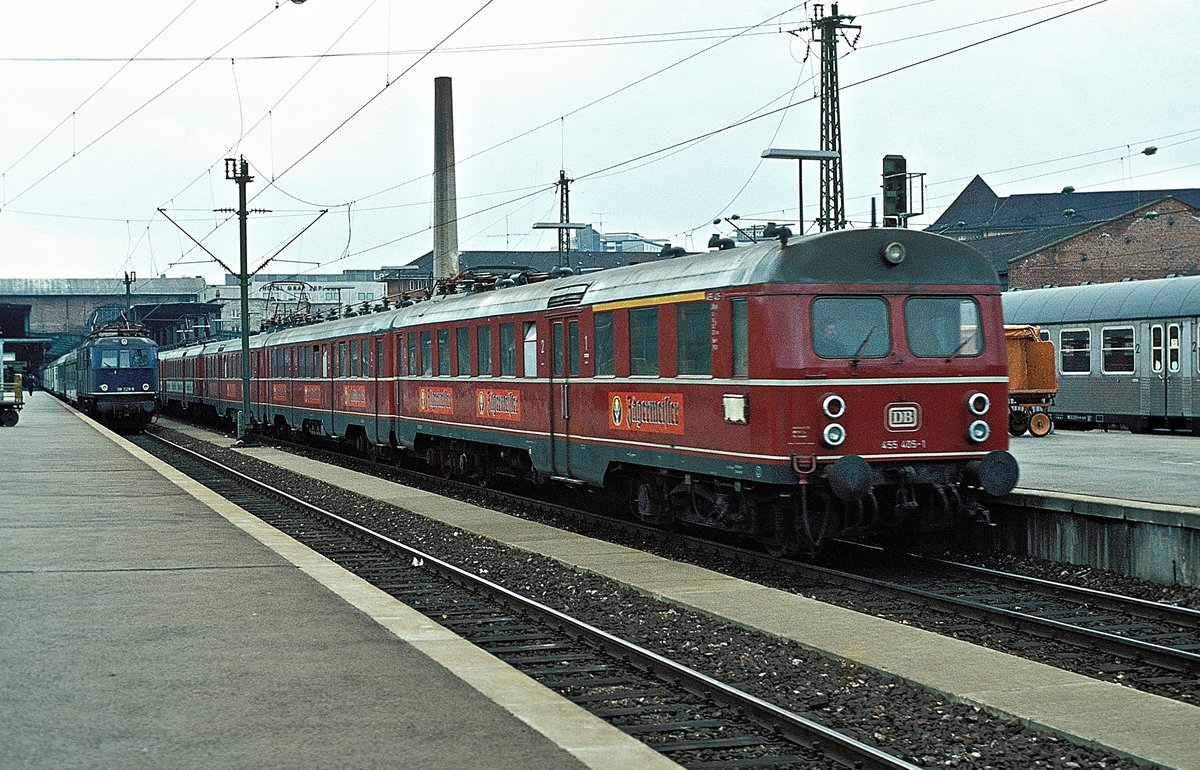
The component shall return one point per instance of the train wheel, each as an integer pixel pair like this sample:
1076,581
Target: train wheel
1018,422
650,502
9,418
1040,424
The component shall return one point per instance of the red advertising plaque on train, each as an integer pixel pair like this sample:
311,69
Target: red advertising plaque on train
646,412
498,404
435,400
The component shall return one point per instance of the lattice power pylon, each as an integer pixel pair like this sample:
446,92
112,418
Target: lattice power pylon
825,30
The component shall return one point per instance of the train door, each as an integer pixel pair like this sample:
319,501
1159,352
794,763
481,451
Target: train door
379,395
564,365
1166,350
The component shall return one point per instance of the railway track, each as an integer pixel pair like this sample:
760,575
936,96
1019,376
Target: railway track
1151,646
692,718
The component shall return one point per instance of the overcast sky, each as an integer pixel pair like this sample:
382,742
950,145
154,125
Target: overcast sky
658,109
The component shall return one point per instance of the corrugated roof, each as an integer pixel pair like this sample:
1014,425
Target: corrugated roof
58,287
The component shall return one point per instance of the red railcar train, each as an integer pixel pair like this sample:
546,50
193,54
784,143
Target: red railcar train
845,382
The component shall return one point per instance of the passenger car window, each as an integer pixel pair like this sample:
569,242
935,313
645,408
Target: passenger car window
1117,348
605,355
693,337
941,327
1075,351
851,327
643,341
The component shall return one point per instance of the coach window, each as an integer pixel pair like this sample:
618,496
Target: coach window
741,338
941,327
556,353
605,354
851,327
483,350
1156,349
1075,351
443,352
312,361
1116,347
463,352
530,349
377,364
427,354
693,337
508,350
364,351
643,341
353,358
573,348
412,353
1173,347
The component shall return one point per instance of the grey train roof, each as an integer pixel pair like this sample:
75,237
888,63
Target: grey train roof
1130,300
841,257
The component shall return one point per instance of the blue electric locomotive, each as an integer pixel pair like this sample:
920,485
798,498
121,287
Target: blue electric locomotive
112,376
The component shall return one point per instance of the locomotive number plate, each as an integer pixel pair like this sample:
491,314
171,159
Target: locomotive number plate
902,418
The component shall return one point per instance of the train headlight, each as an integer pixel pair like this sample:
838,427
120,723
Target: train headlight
894,253
833,407
833,435
979,432
104,387
979,404
145,386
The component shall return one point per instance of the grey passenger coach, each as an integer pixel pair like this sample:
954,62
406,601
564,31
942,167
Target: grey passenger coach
1126,352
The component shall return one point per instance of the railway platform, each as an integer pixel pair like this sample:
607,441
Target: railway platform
1115,500
145,623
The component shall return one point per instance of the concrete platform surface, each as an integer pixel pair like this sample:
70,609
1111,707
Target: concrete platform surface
1121,719
145,623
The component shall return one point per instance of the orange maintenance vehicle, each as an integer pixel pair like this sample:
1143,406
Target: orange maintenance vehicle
1032,382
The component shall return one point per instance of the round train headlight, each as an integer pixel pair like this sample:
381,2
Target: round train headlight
833,435
104,388
979,404
833,407
979,432
894,253
145,386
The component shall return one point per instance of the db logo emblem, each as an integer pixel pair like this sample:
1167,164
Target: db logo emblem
903,417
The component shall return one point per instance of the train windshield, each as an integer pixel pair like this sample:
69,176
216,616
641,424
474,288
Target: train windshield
851,327
943,327
123,358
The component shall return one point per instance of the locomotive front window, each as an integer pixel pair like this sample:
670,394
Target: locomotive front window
851,327
109,358
139,358
942,327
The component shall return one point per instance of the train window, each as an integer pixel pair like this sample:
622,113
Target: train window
851,327
1116,348
443,337
530,337
1075,351
109,358
693,337
942,327
605,354
412,353
353,358
378,364
508,350
483,350
573,348
1173,347
643,341
140,357
556,354
741,338
1156,349
342,361
463,353
427,354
